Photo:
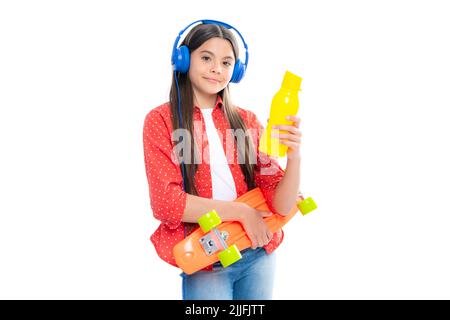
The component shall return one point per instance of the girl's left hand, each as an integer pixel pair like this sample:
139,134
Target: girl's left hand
292,138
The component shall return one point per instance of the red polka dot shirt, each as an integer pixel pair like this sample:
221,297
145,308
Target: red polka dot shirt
167,198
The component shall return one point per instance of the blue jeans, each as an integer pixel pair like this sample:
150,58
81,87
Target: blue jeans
250,278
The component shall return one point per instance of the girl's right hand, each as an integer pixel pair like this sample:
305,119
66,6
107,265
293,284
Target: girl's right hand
254,225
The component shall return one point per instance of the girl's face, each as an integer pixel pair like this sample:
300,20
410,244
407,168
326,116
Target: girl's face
211,66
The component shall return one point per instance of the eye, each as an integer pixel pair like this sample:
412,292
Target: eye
227,64
205,58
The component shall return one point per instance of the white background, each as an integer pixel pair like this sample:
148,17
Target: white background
78,77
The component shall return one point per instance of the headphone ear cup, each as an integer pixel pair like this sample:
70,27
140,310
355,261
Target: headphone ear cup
238,71
181,59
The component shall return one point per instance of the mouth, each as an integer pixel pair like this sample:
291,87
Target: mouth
212,80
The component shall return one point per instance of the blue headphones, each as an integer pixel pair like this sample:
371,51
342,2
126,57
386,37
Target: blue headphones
181,62
181,55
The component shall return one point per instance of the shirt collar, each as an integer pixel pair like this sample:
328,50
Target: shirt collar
219,104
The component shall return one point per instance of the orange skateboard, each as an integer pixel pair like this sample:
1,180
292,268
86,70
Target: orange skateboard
215,240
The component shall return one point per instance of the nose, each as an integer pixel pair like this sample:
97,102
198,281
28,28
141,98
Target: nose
216,68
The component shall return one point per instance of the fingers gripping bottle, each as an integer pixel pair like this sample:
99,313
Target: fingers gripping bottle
284,103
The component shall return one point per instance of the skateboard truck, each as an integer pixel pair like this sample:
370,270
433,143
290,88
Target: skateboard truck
209,243
215,240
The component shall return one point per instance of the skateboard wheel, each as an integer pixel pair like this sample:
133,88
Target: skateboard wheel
209,220
306,206
229,256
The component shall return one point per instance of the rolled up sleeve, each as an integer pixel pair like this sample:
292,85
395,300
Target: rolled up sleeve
268,172
167,198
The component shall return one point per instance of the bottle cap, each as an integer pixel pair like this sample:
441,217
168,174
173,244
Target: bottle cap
291,81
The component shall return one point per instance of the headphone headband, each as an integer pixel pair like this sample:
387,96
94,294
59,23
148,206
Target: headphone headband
206,21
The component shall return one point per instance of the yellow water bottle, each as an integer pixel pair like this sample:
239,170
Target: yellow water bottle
284,103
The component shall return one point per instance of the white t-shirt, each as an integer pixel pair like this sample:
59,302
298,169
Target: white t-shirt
223,187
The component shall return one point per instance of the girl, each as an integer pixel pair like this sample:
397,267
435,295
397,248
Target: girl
216,170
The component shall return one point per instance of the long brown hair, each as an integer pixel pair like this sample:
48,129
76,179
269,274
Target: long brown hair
194,39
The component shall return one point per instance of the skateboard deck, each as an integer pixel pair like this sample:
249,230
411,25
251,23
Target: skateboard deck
192,255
